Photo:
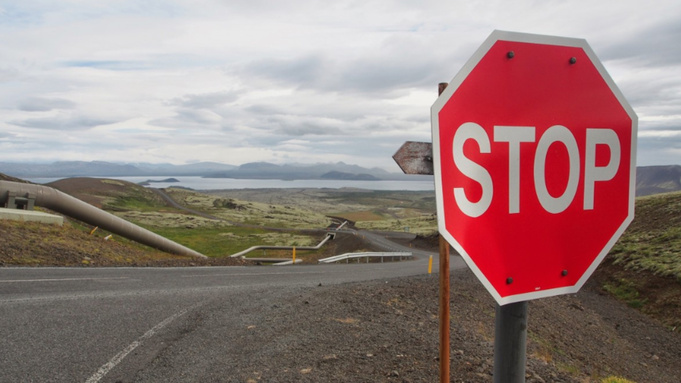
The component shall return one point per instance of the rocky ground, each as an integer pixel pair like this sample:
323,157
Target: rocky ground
387,331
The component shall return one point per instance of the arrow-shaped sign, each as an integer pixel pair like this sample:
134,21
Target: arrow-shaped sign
415,157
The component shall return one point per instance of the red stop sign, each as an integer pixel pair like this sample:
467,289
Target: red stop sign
534,162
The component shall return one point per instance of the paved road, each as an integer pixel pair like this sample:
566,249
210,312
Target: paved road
111,324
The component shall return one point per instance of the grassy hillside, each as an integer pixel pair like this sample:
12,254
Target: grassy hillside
367,209
36,244
653,241
112,195
214,226
644,267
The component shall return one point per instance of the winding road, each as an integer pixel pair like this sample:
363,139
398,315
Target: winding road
119,324
113,324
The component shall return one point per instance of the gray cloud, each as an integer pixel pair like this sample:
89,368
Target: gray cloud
263,109
305,71
400,62
375,75
70,123
656,45
42,104
206,100
659,150
188,118
303,126
112,65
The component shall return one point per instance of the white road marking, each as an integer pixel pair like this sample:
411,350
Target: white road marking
132,346
59,279
311,271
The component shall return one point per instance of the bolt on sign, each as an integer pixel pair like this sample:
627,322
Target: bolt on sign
534,154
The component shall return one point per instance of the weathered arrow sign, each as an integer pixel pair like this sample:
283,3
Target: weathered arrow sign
415,157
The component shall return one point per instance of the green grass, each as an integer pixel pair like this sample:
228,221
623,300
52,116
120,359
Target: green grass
644,268
132,198
218,241
213,241
426,224
626,291
616,379
250,212
653,241
380,210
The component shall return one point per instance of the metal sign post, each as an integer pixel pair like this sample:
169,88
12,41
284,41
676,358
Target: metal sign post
510,335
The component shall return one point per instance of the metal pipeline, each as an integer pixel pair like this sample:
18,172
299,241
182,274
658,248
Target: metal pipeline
63,203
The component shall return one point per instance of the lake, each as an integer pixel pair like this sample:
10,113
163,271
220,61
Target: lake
199,183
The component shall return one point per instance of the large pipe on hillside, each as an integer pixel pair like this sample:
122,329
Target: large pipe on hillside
63,203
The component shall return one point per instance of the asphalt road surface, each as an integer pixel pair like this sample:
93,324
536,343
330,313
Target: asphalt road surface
109,324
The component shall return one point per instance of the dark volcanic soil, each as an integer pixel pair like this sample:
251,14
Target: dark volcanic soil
387,331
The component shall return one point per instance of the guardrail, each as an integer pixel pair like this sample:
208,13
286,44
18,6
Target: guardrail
382,255
252,248
328,237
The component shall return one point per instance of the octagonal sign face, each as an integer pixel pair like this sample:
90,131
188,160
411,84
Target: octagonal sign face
534,163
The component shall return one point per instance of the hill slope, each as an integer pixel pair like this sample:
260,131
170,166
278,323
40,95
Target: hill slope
644,267
657,179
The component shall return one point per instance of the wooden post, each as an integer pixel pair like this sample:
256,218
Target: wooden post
444,310
417,158
444,294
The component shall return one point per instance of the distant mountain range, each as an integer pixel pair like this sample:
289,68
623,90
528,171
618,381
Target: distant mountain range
107,169
337,171
254,170
649,179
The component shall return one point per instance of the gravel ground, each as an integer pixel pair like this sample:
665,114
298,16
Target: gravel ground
387,331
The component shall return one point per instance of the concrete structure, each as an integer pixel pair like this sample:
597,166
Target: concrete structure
31,216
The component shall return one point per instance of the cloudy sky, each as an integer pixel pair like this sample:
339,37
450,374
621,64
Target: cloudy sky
285,81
